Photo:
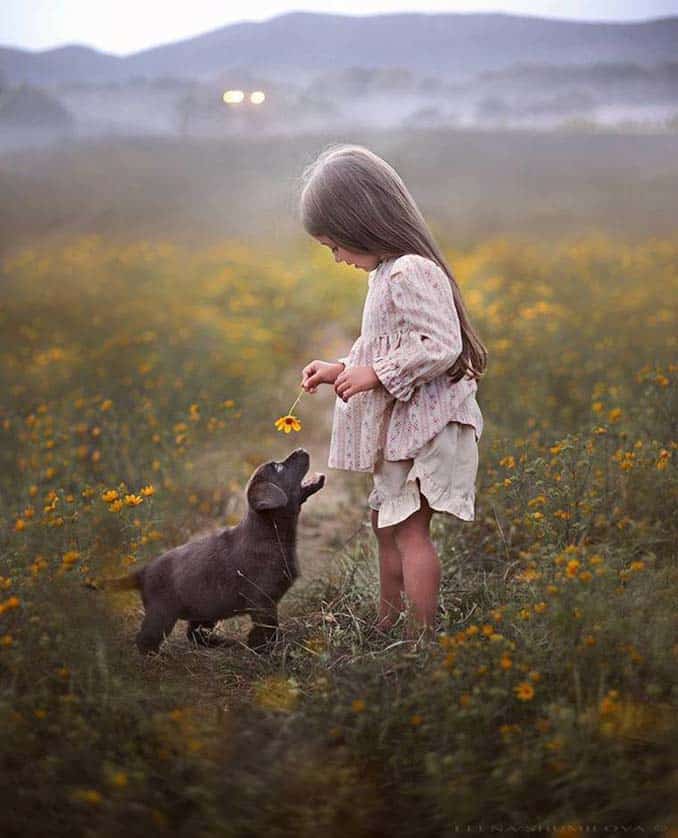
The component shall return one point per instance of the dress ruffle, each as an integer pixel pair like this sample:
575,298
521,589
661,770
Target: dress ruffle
395,509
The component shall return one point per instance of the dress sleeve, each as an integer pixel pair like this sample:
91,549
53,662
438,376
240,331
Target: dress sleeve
426,319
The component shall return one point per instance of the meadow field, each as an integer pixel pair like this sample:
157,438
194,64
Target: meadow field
142,366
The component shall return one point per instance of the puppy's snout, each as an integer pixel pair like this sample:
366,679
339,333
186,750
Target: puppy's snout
300,454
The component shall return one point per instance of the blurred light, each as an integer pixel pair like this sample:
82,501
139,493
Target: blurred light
233,96
257,97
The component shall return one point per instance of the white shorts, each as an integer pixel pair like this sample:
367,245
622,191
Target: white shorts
446,468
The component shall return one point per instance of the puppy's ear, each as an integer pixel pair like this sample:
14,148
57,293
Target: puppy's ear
265,495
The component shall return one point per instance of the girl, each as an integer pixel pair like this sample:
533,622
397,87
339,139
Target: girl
406,408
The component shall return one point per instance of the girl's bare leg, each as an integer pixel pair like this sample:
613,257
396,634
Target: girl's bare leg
390,574
421,569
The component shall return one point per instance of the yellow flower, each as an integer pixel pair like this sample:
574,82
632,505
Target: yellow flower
572,567
277,693
524,691
91,796
416,720
118,779
116,506
109,496
663,459
12,602
358,705
147,491
133,500
288,423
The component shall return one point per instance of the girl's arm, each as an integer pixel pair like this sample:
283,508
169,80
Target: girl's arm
427,318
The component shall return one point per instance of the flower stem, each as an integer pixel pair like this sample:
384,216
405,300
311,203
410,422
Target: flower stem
295,403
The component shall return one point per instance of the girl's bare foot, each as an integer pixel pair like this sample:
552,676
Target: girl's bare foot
385,623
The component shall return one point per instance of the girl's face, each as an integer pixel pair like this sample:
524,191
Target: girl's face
364,261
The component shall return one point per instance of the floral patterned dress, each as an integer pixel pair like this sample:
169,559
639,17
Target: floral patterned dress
410,336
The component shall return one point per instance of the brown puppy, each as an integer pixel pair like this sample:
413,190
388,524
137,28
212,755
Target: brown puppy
244,569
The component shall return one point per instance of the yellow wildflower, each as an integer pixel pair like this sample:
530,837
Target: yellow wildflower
524,691
572,567
662,462
288,423
118,779
8,604
90,796
109,496
358,705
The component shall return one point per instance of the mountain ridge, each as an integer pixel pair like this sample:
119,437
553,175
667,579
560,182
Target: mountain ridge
452,44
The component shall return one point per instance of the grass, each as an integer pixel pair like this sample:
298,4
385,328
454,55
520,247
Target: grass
156,374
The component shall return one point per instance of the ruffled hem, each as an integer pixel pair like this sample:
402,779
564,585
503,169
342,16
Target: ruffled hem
440,499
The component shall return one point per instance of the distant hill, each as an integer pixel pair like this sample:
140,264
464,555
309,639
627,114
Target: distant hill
297,45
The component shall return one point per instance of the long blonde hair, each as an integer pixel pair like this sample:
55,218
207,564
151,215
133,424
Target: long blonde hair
352,196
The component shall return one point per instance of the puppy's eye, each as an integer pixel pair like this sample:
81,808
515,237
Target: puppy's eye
278,466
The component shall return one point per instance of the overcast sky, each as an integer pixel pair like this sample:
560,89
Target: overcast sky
124,26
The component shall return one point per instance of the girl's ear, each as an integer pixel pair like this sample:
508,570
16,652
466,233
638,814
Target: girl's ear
262,494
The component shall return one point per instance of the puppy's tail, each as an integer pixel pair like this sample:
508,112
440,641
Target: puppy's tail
130,582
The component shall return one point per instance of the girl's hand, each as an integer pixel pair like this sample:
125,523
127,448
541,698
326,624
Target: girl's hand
354,380
319,372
